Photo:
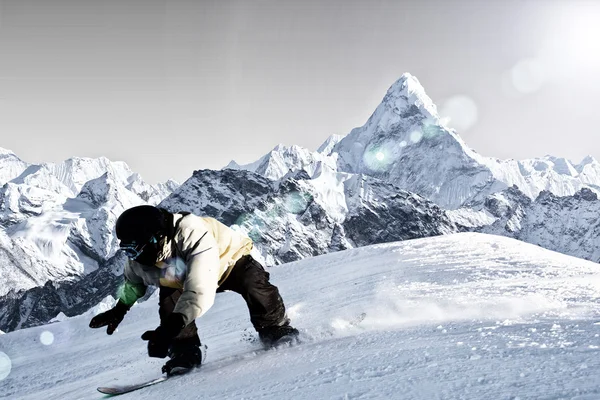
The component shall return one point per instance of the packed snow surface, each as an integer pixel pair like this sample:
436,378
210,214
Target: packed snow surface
464,316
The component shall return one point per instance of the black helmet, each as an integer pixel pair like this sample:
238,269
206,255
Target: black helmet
139,224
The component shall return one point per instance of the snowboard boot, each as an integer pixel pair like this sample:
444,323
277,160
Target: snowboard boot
184,358
278,335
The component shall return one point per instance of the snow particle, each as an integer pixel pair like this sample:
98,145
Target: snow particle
5,366
380,156
47,338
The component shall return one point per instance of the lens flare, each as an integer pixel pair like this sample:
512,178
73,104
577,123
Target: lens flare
379,157
173,273
459,112
252,224
256,223
296,202
47,338
5,366
570,50
528,76
416,136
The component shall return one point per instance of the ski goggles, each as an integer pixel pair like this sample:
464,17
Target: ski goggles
133,250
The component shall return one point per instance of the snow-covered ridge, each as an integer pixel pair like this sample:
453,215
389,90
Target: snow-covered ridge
56,220
75,172
328,146
283,159
10,166
458,316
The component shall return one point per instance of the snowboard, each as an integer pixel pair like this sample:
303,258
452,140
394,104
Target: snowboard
122,389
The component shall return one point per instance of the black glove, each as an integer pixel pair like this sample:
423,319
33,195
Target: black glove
160,339
112,318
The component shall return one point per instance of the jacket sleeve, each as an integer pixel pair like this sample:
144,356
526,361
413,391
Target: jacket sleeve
201,255
133,287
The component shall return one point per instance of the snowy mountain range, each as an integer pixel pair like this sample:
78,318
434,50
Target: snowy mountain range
403,175
406,144
460,316
56,228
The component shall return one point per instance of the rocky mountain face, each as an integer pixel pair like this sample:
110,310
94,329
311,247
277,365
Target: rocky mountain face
39,304
292,218
567,224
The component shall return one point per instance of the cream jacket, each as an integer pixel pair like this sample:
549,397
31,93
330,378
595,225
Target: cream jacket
198,259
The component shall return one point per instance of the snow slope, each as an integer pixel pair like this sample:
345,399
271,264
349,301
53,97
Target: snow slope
463,316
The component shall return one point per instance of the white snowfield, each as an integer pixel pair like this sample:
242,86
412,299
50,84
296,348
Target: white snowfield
464,316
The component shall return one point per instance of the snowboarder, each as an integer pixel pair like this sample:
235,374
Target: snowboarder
190,259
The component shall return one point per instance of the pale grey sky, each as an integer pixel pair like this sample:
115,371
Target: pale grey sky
174,86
